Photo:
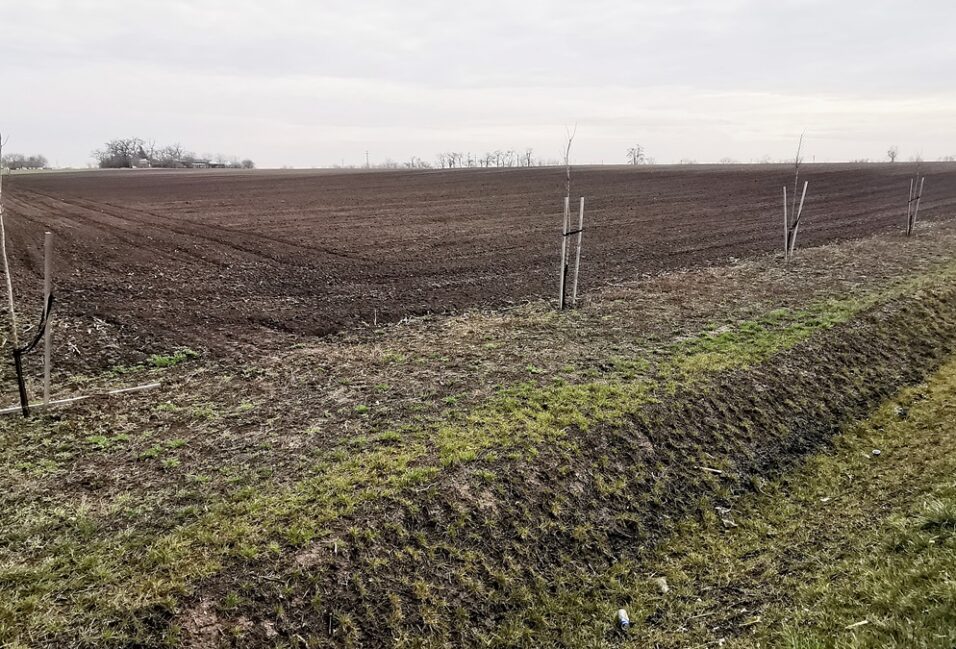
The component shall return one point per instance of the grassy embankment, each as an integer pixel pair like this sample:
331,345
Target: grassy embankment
75,578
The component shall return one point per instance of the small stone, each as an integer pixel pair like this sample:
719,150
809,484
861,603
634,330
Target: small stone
877,452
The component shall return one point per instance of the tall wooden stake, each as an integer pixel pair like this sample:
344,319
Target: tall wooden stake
47,333
796,223
562,273
6,263
786,227
919,197
577,260
909,210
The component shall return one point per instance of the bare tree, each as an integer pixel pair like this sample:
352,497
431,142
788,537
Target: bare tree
566,226
149,151
528,159
15,161
170,156
635,155
118,153
892,153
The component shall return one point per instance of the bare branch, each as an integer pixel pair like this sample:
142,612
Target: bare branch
567,159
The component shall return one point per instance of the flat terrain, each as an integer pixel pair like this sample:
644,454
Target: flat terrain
511,478
160,259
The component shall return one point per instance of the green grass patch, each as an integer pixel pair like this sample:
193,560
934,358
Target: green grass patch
171,360
852,550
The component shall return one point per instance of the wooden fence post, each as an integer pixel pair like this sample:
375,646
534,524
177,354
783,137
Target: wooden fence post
796,223
919,197
577,260
562,273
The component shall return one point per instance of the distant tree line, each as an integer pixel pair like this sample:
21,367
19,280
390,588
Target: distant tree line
499,158
14,161
132,152
490,159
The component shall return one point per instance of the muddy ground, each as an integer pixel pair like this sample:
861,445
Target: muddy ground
151,260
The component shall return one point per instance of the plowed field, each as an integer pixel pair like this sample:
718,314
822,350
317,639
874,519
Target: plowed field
211,258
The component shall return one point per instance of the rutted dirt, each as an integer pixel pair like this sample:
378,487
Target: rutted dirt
158,259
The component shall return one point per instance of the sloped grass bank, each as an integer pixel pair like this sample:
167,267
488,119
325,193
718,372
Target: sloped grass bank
853,549
522,538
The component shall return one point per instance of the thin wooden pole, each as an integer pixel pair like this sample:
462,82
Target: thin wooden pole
562,274
796,175
108,393
796,223
47,333
919,197
6,263
909,210
577,260
786,227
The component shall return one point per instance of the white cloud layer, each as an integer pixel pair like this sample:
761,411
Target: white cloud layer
317,83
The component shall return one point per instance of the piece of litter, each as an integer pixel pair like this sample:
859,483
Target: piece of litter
623,621
876,451
825,500
661,584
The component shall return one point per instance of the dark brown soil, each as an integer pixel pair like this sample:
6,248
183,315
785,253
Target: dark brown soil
159,259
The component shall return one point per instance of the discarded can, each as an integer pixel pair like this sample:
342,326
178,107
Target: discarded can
623,621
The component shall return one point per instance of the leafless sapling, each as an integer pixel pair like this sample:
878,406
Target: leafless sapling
791,220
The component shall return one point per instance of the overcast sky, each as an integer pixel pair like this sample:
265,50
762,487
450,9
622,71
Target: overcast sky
314,83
